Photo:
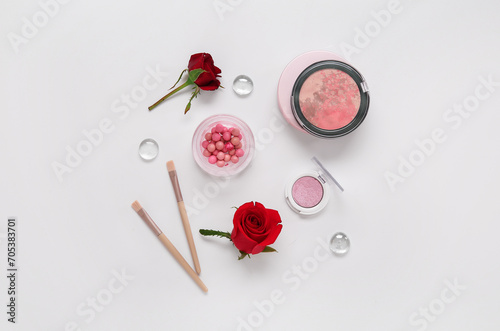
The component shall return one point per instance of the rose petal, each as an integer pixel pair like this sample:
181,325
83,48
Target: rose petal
212,86
272,235
196,61
273,216
259,206
242,242
205,78
257,249
238,215
254,224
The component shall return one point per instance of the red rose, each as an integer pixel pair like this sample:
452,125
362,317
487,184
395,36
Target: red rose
255,227
207,80
202,73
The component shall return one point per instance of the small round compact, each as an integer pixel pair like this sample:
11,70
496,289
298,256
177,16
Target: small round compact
323,95
308,193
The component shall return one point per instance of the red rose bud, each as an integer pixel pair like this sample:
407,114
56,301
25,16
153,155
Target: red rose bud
208,79
201,72
255,227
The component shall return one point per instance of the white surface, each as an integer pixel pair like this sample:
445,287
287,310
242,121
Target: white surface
438,226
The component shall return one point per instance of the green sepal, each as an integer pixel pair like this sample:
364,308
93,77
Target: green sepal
194,74
269,249
182,73
243,255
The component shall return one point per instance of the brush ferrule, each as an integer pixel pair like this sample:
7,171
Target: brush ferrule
149,221
175,184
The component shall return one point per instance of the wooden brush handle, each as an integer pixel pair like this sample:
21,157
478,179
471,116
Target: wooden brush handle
175,253
189,236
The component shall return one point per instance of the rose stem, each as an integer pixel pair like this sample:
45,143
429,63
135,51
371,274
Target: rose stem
168,95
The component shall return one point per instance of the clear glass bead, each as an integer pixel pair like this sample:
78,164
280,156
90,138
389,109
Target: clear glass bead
340,243
148,149
242,85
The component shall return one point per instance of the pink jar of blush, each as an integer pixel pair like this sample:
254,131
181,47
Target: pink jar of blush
323,95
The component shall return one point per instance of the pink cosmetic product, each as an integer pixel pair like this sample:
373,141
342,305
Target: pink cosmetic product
323,95
223,145
308,193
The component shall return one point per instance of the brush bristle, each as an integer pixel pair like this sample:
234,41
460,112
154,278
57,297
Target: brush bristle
170,166
136,205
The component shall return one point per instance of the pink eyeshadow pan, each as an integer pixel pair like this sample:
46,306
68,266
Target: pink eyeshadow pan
329,99
307,192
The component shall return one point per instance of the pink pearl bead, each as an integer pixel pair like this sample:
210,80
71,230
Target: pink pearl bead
220,163
211,147
220,155
235,141
229,146
232,152
227,158
208,136
240,136
212,159
213,130
235,159
225,130
238,146
226,136
240,152
235,132
206,153
224,149
219,145
215,152
204,144
219,127
216,137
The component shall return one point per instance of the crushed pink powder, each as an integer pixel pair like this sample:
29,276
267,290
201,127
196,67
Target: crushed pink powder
329,99
307,191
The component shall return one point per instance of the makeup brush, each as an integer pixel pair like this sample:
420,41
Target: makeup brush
182,210
171,248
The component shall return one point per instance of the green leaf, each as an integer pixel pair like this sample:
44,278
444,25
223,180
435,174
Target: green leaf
269,249
194,74
221,234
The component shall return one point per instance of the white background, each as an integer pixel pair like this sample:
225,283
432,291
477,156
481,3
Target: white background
439,225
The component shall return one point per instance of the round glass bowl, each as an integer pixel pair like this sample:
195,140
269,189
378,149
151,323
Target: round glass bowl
229,168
